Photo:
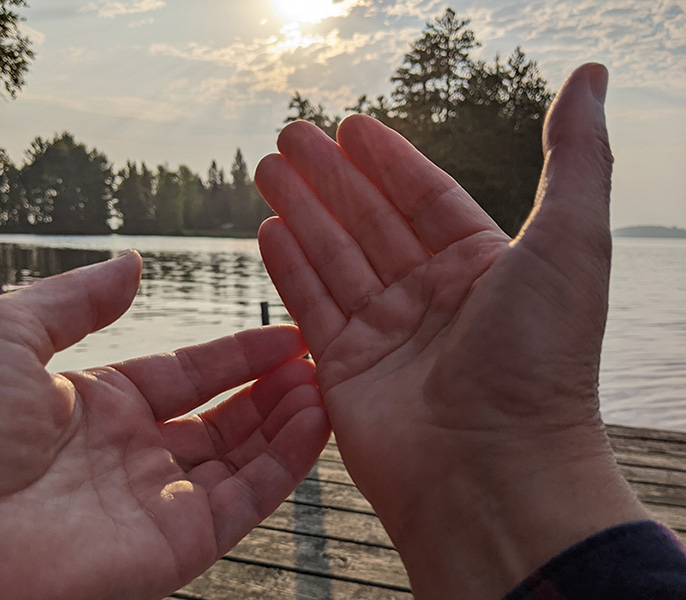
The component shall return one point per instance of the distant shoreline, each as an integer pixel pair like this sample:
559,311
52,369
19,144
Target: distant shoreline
219,233
639,231
650,231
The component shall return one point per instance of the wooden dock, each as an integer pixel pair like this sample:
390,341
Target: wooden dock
325,542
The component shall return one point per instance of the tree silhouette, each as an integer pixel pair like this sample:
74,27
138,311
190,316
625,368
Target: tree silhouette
68,188
15,48
481,123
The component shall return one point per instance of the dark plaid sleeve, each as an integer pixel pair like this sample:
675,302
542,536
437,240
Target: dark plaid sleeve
634,561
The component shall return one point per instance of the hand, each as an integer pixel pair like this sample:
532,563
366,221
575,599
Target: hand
102,497
459,367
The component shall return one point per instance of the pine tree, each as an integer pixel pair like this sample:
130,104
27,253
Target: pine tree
434,73
243,200
168,202
15,48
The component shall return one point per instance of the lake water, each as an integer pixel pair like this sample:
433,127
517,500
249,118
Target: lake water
196,289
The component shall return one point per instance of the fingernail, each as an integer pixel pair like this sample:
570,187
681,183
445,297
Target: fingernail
125,253
597,79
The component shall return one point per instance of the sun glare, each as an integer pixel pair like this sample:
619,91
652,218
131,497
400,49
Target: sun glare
303,12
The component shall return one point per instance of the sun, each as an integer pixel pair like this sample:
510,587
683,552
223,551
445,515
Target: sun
301,12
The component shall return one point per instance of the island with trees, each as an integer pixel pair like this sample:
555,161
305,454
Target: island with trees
481,122
650,231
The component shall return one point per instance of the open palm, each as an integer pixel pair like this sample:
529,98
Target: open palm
454,362
101,496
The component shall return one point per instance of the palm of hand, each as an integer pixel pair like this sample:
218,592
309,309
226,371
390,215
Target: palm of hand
112,499
429,326
101,496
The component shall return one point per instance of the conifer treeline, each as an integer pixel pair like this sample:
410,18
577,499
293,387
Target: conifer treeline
66,188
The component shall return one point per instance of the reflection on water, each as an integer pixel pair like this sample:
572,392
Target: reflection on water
20,265
192,290
196,289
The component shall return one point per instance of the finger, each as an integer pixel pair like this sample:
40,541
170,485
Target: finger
243,501
55,313
218,431
569,225
295,401
176,383
305,296
334,254
440,211
381,231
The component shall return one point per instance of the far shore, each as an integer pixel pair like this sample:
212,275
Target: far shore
650,231
219,233
638,231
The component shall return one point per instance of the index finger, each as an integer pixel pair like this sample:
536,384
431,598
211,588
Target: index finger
176,383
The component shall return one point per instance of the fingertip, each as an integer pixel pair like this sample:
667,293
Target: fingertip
269,347
267,227
577,112
265,167
295,134
355,127
599,77
132,262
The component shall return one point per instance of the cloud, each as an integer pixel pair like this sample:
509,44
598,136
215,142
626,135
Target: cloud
643,43
141,23
314,63
36,37
110,9
121,107
74,55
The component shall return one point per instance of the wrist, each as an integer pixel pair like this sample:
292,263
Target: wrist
478,535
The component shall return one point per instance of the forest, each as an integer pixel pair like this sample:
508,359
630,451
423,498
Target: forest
479,121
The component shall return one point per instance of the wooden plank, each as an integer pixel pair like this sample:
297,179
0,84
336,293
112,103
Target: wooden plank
325,558
660,494
666,448
228,580
333,471
642,433
330,523
657,461
672,516
333,495
657,476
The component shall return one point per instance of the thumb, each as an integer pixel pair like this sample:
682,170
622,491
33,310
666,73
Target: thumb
55,313
570,223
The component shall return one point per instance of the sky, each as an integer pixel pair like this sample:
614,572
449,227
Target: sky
185,82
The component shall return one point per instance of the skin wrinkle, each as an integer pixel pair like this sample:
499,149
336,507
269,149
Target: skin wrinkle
427,206
252,496
231,466
415,331
94,311
116,369
283,465
28,322
215,435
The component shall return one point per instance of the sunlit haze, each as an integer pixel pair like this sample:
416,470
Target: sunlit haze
311,11
188,82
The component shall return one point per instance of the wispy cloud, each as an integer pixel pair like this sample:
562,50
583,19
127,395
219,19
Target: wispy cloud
643,43
35,36
120,107
110,8
319,63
